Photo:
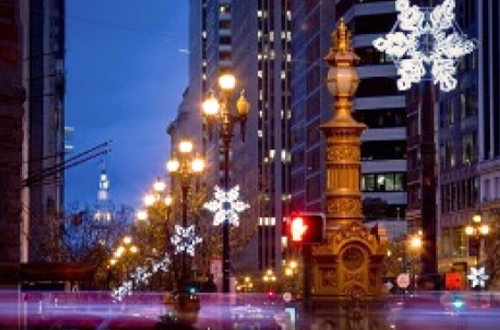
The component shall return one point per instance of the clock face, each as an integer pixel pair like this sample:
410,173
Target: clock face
353,258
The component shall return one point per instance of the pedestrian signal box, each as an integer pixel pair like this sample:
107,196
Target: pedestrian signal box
306,228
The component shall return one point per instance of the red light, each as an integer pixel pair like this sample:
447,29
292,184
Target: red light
298,229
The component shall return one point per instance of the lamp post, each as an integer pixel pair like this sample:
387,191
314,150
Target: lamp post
476,231
184,165
220,112
416,244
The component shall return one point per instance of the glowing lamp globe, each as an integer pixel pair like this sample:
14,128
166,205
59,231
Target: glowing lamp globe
416,242
198,165
211,105
227,82
142,215
343,80
159,186
484,229
149,200
173,165
185,147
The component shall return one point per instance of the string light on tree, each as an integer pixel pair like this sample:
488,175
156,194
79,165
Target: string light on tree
478,277
226,206
424,38
141,275
185,239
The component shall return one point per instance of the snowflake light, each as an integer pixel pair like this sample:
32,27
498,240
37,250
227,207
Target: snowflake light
226,206
478,277
141,275
185,239
428,38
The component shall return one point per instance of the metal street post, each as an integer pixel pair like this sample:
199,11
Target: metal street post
220,113
185,167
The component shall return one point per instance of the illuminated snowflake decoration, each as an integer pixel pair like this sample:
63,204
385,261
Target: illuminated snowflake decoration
478,277
426,39
140,275
226,206
185,239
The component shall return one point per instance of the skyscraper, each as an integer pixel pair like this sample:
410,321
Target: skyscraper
469,137
312,23
11,135
257,52
262,64
489,104
43,146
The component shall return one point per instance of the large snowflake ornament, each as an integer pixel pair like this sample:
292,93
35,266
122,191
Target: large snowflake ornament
478,277
185,239
423,39
226,206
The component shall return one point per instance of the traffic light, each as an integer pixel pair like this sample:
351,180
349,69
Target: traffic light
191,288
458,303
306,228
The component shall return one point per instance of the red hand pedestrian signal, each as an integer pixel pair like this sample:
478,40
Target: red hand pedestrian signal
306,228
298,229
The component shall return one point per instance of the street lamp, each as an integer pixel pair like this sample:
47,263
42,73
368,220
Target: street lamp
159,186
220,112
142,215
149,199
477,230
184,165
127,240
416,242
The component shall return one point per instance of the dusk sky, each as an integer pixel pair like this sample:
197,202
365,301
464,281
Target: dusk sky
126,71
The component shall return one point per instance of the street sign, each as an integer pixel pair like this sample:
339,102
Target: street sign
403,280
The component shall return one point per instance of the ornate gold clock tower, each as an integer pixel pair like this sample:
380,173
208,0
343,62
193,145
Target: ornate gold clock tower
347,268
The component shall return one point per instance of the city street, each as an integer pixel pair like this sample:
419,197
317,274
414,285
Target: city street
250,164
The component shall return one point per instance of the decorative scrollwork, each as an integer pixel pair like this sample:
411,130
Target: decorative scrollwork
344,206
343,153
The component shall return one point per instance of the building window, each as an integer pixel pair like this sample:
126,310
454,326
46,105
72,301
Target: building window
459,246
497,187
379,150
371,56
468,149
313,188
383,182
486,190
377,87
225,9
382,118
